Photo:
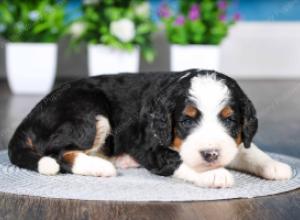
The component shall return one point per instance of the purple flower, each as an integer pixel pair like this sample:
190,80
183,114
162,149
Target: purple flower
222,4
222,17
237,16
194,12
179,20
164,11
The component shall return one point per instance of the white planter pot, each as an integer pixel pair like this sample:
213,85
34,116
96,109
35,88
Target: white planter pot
195,56
107,60
31,67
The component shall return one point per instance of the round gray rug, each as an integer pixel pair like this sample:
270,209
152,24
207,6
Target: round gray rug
136,185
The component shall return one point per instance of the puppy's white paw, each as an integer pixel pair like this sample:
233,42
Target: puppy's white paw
48,166
218,178
105,169
93,166
275,170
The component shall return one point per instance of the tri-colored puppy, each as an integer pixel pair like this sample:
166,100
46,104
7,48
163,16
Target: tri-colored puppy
189,125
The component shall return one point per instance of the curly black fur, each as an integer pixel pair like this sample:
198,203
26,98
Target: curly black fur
140,109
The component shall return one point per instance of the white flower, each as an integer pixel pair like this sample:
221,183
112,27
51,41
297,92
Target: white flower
77,28
20,26
90,2
143,9
2,28
123,29
34,15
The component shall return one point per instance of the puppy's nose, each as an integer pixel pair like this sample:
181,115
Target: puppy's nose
210,155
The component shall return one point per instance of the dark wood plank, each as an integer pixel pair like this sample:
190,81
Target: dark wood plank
285,206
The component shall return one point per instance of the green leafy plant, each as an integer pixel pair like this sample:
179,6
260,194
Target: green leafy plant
197,21
116,23
32,21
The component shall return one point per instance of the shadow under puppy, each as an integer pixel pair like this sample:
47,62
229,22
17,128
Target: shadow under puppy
189,125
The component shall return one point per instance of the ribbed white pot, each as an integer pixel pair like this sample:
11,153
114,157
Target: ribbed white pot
194,56
107,60
31,67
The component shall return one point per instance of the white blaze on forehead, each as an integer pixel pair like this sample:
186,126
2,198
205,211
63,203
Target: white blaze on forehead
208,93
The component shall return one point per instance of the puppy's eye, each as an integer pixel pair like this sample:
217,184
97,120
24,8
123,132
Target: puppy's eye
188,122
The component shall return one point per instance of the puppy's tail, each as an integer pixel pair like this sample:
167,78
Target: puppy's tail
24,154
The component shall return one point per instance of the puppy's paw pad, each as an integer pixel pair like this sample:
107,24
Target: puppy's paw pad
276,170
125,162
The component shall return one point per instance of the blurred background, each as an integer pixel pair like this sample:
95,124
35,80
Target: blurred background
263,42
47,42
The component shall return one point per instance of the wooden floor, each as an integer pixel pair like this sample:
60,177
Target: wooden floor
278,108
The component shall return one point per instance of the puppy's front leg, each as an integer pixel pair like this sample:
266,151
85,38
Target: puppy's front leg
255,161
217,178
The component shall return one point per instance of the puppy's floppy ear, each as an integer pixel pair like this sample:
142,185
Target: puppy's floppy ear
249,122
157,111
157,120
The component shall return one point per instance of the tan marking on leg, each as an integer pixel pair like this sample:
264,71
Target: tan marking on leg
29,143
100,155
102,131
70,156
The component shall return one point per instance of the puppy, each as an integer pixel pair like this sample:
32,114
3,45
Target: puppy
189,125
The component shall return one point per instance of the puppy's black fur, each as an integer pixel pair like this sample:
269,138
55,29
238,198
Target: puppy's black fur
142,109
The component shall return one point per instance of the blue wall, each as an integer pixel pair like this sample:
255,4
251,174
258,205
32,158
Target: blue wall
251,10
270,10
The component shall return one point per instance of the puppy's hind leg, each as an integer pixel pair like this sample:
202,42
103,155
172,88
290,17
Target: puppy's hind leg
80,163
76,142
